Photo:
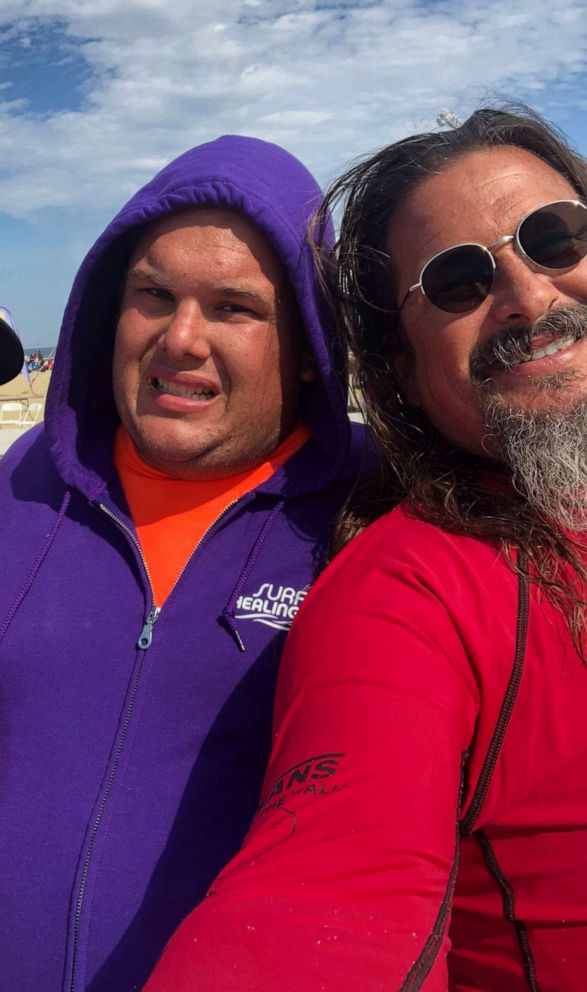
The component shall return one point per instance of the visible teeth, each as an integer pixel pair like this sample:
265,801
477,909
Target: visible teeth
175,390
550,349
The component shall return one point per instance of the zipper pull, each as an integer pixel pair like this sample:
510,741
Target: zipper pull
146,634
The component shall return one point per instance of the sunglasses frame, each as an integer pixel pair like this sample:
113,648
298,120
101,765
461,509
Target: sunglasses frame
489,252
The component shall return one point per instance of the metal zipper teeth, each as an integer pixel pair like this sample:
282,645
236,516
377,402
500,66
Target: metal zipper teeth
97,821
203,538
86,868
120,523
129,532
114,769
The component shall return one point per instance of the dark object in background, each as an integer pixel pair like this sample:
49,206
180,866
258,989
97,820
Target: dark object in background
11,351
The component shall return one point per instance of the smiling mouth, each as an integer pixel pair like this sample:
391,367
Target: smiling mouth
175,389
549,349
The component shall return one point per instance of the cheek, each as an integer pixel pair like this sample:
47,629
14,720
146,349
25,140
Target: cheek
131,343
449,398
441,369
118,357
252,360
125,360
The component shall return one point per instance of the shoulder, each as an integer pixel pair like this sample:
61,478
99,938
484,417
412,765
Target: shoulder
416,584
28,475
31,495
401,544
19,449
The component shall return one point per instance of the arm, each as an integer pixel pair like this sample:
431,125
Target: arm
344,882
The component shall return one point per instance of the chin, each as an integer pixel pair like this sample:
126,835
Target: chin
161,452
544,404
554,393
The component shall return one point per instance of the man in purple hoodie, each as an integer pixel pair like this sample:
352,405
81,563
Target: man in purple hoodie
158,534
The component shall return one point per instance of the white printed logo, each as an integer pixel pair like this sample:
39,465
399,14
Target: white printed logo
273,605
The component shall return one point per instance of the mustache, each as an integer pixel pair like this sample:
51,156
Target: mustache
514,344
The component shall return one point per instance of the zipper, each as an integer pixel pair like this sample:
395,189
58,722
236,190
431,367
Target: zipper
144,641
204,536
96,826
145,637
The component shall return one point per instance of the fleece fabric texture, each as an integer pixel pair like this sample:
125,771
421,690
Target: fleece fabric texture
132,750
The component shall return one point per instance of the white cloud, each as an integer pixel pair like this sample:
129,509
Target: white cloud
328,80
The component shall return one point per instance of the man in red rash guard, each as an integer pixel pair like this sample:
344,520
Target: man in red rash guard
424,817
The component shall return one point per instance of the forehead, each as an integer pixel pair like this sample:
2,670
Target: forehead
209,239
480,197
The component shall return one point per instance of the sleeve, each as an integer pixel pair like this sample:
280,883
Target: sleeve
344,882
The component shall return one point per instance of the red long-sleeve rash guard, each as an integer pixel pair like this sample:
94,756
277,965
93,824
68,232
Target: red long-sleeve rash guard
408,703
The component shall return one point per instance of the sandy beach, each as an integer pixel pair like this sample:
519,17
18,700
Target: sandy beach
18,390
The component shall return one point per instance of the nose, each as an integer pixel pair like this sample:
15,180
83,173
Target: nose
520,292
186,333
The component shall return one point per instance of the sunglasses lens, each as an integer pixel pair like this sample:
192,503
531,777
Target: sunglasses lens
555,236
458,279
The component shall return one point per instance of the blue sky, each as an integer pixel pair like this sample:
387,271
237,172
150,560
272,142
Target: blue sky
95,96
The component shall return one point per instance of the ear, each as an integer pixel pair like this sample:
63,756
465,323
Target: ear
402,364
308,370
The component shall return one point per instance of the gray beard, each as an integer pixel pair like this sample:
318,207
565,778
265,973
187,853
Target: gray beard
547,454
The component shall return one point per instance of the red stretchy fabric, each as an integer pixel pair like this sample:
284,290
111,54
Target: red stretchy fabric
423,823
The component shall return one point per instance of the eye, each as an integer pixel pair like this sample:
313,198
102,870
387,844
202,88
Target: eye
235,309
156,293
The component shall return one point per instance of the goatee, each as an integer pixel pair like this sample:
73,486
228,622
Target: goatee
547,455
546,450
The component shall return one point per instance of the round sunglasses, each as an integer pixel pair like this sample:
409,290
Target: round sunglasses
551,238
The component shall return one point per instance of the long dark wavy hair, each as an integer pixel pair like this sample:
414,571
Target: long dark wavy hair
444,485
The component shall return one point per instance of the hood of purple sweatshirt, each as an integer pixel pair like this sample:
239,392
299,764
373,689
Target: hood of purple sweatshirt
276,193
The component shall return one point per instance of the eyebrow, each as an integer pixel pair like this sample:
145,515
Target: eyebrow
249,294
138,272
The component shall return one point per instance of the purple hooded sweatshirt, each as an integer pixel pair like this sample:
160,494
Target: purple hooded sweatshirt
132,752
